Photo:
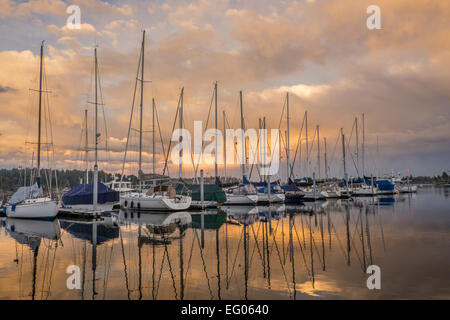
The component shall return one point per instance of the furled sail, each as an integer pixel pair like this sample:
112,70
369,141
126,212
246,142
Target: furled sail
24,193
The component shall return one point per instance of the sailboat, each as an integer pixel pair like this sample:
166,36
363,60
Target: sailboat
274,195
30,201
92,198
245,193
160,197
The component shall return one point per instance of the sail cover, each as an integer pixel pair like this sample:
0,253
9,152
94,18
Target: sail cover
84,194
212,192
26,193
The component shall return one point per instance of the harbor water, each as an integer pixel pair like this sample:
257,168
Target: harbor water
319,250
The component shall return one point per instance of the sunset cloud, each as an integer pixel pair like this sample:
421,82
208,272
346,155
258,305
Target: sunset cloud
319,51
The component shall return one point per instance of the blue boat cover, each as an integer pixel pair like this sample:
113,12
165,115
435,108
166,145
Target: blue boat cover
84,231
385,185
84,194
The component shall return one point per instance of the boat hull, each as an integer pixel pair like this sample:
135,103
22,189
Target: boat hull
241,199
86,207
155,202
407,189
312,196
274,197
293,197
206,204
41,208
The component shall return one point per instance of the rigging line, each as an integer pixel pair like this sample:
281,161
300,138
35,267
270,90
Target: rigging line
124,264
234,144
173,128
131,117
301,249
108,156
347,144
192,156
44,265
271,153
206,126
254,155
281,263
160,134
50,124
352,239
237,252
312,144
331,161
314,244
282,113
256,245
351,155
274,232
297,147
170,269
51,271
360,236
204,265
339,241
189,261
105,284
160,274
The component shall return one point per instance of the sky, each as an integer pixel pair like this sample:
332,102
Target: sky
320,51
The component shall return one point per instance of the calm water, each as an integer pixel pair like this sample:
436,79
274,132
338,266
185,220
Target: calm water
284,252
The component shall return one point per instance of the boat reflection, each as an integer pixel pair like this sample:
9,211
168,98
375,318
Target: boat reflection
245,215
230,252
35,234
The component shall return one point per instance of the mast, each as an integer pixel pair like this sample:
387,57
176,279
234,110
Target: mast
224,146
243,135
86,144
318,151
94,257
343,159
363,147
153,135
95,196
260,143
326,164
141,108
287,140
215,139
357,145
38,174
180,169
307,144
181,262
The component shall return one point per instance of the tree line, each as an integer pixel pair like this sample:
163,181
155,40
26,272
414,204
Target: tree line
12,179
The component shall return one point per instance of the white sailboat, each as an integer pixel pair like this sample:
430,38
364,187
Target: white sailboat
243,194
365,190
332,191
159,198
30,202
